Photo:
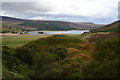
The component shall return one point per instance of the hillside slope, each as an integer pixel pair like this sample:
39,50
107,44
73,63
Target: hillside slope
113,27
47,25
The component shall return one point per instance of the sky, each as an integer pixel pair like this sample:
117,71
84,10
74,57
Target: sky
96,11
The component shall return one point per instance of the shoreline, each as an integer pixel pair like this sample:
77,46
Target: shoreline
8,34
72,32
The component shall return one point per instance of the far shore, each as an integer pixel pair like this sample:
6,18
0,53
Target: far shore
8,34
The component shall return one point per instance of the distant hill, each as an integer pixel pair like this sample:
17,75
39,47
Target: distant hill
47,25
113,27
9,28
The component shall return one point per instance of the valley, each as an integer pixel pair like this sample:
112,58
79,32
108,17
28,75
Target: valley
90,54
60,40
26,25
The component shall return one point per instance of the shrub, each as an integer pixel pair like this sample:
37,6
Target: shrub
58,50
12,67
24,54
10,74
105,60
72,67
46,66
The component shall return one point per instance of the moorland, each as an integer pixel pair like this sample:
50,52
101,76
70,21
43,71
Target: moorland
93,54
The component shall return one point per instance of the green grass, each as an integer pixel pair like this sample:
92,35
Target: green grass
16,41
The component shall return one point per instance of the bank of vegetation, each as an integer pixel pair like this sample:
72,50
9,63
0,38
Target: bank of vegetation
62,57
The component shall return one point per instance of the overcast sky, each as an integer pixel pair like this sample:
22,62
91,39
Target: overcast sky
96,11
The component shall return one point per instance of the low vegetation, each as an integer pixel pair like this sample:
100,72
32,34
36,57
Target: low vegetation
62,57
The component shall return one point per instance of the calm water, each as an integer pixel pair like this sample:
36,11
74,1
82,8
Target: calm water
58,32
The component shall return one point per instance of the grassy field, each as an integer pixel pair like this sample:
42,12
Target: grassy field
16,41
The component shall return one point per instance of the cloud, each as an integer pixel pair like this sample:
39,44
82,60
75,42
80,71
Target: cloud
69,10
24,8
38,18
